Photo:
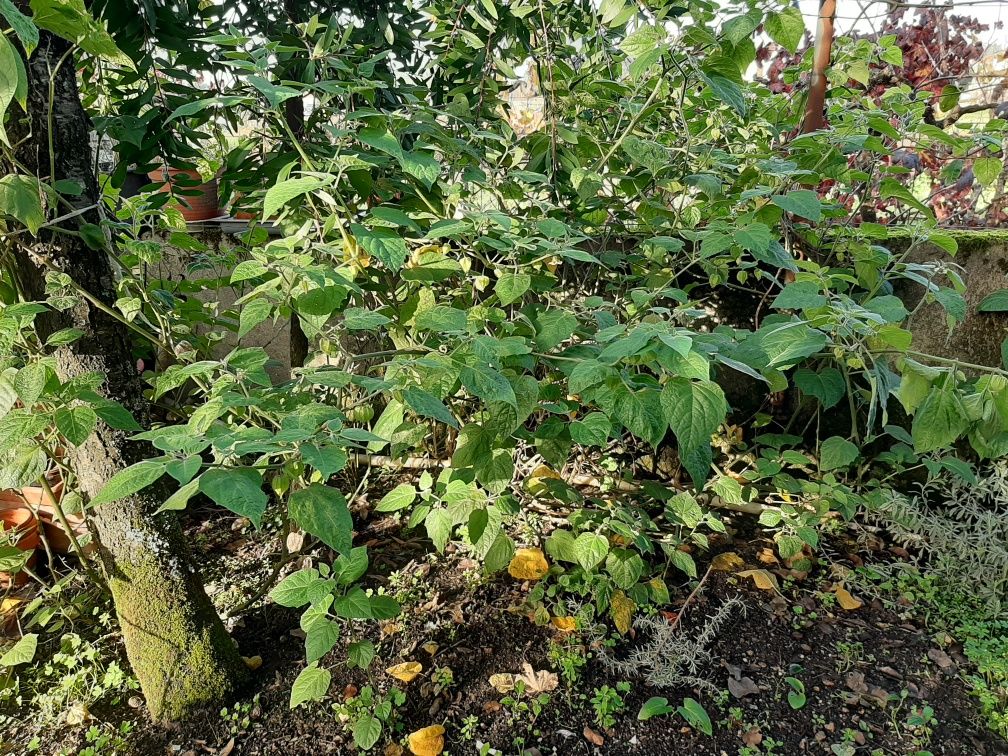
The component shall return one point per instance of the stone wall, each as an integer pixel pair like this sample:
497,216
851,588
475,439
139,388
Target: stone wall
982,262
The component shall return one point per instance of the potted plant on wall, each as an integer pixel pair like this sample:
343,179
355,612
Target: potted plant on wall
193,184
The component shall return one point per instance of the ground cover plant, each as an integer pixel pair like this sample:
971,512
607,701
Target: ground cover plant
601,429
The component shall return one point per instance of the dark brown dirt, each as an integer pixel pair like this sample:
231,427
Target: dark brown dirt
865,672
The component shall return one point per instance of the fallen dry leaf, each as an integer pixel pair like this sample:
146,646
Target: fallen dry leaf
593,737
846,600
767,556
566,624
227,749
742,687
430,647
752,737
78,714
252,662
727,561
528,564
764,580
393,749
428,741
621,609
502,682
405,672
542,681
940,658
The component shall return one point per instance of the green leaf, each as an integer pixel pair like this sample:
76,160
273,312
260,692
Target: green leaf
487,384
625,567
366,731
511,286
13,83
646,153
236,488
351,566
442,319
893,55
694,410
382,243
696,715
643,40
23,26
253,312
283,192
949,97
322,511
499,554
439,527
354,605
328,460
939,421
418,163
554,327
21,652
987,170
71,20
641,413
398,498
180,498
359,319
383,607
589,549
786,28
302,587
799,296
995,302
360,654
20,196
727,91
428,405
76,423
801,202
320,637
654,707
827,385
837,452
311,685
127,482
591,430
755,237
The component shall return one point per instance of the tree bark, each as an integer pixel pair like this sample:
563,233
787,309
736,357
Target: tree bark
176,643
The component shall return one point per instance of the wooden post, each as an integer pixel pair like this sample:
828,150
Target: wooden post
815,104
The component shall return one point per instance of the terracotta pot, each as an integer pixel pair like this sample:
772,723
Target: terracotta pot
56,535
202,204
237,211
21,525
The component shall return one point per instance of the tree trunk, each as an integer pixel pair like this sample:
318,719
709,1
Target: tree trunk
177,645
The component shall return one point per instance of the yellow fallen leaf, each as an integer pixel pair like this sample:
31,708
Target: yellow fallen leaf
566,624
406,672
528,564
621,609
427,742
846,600
252,662
727,561
764,580
535,484
430,647
502,682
